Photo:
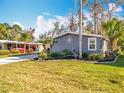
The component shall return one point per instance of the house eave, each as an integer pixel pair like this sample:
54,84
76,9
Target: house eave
75,33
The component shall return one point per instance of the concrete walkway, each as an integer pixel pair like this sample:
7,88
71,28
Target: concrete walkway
17,59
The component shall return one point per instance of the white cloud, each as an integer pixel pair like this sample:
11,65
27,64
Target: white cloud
18,23
45,25
88,16
111,5
62,19
115,8
46,13
119,9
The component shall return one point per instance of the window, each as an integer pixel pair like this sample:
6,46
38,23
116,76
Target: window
92,44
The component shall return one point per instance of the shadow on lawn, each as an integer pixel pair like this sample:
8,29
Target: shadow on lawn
119,62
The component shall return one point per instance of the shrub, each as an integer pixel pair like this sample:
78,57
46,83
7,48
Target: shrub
56,55
96,57
4,52
67,53
85,55
91,57
43,55
99,57
110,54
117,52
14,51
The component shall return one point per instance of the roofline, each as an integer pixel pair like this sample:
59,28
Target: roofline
16,42
83,34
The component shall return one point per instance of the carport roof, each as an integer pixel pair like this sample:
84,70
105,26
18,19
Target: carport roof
15,42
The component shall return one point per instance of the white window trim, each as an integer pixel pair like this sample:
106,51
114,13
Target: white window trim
89,44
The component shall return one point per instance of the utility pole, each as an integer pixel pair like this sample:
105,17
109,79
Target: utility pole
80,30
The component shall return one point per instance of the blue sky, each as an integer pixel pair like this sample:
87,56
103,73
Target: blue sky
26,11
39,14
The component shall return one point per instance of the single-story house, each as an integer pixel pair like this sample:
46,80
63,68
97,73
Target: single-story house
26,46
91,43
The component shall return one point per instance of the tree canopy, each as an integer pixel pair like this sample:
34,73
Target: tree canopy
15,32
114,29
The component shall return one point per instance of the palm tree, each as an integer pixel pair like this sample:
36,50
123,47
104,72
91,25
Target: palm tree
114,29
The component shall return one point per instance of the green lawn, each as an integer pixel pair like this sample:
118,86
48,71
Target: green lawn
11,55
119,62
4,56
65,76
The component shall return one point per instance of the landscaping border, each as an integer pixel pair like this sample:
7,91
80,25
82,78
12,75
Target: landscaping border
96,62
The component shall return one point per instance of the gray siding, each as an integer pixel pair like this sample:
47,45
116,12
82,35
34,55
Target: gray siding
71,42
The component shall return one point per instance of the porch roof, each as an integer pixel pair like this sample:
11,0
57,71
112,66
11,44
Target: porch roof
17,42
7,41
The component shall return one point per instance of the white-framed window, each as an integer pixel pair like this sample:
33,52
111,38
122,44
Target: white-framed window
92,43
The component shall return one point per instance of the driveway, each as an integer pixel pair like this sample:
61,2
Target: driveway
17,59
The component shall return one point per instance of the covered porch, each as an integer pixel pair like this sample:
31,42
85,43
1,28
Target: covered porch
21,46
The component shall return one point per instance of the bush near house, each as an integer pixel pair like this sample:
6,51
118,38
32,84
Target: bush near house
85,55
99,56
55,55
43,55
67,54
4,52
111,54
95,57
14,51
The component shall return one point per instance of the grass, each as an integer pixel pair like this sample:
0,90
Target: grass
12,55
4,56
65,76
119,62
21,54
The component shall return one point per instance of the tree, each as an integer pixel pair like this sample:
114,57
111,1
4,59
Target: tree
27,35
89,28
73,22
121,44
3,31
16,32
56,30
47,39
114,29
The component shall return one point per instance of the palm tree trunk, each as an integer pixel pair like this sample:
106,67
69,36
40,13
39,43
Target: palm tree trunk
113,44
95,20
80,31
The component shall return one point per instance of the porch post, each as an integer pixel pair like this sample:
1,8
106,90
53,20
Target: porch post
24,48
16,46
36,45
2,45
29,47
